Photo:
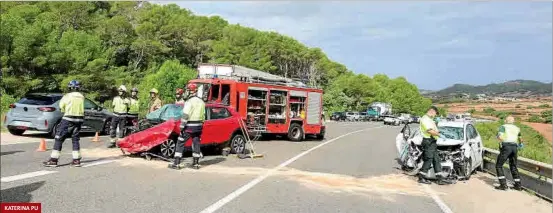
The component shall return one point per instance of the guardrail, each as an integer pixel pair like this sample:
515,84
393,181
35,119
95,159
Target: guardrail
535,176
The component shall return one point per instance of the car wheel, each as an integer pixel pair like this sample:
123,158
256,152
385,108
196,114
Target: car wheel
168,148
54,130
238,144
295,133
17,132
467,168
321,135
107,127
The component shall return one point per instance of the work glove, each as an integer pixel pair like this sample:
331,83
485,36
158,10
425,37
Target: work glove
520,145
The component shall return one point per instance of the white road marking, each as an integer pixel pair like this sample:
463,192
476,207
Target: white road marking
98,163
26,175
214,207
436,198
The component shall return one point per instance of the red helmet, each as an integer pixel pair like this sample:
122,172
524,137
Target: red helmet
192,87
179,91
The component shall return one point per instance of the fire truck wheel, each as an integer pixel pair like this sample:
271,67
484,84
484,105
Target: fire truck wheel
295,133
238,144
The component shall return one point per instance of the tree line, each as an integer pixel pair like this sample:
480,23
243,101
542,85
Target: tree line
44,45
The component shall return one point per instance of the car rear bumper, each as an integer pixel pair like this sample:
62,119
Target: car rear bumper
40,123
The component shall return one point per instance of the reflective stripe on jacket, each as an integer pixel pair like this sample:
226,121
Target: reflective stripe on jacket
72,104
426,124
194,109
120,105
509,133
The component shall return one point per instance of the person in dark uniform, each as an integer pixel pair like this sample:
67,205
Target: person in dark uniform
509,141
191,127
72,107
430,135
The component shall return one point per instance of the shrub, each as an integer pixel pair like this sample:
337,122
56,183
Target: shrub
535,119
471,111
546,116
518,106
544,106
489,110
530,107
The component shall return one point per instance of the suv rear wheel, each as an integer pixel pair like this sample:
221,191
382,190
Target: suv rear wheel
296,132
238,144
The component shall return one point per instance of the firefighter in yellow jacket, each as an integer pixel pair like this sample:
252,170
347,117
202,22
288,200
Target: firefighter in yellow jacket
72,107
155,102
191,127
134,104
120,106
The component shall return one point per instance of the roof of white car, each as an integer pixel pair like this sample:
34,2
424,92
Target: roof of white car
459,124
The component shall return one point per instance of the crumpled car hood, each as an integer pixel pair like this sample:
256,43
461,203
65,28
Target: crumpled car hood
149,138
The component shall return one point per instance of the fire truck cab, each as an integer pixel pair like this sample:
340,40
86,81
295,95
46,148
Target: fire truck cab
269,104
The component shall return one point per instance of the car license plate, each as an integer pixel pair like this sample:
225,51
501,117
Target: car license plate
21,124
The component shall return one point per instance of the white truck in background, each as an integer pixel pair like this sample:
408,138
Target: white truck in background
379,110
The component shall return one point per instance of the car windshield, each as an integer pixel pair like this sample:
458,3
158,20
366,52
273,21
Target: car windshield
455,133
39,100
168,111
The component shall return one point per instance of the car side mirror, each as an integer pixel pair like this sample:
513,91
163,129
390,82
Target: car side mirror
99,108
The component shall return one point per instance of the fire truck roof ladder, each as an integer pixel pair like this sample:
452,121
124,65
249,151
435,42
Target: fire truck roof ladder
240,73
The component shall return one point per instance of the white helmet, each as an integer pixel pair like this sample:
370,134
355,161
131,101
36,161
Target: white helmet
122,88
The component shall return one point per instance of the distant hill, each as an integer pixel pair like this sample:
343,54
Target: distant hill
527,87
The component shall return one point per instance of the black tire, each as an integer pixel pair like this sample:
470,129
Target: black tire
467,166
107,126
321,135
167,148
52,133
17,132
238,144
295,133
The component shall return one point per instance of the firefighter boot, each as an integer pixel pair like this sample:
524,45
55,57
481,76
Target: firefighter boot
502,185
175,164
111,143
52,162
195,163
422,179
517,186
76,162
442,181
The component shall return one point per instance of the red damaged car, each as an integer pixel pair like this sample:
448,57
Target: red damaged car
158,133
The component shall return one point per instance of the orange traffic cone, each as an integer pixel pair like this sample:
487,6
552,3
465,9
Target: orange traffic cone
96,138
42,146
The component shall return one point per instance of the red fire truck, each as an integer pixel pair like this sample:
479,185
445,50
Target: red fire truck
269,104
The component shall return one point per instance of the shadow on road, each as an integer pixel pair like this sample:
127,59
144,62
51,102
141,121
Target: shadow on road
212,161
9,152
20,193
488,180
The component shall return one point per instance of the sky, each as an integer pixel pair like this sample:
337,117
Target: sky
432,44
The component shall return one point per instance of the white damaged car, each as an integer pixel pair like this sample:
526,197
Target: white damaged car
460,150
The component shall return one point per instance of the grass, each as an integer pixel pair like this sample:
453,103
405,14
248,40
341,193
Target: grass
536,147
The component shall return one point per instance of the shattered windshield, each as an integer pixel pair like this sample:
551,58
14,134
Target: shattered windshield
455,133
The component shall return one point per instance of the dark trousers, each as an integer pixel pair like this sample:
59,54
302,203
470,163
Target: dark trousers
507,151
187,132
117,121
430,156
65,129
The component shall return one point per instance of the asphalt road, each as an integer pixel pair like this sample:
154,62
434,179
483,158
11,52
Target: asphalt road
352,170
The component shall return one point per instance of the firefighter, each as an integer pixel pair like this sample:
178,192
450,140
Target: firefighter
179,98
134,104
155,102
120,106
509,141
430,134
72,107
191,127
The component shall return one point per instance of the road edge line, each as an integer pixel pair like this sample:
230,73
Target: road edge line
437,199
220,203
26,175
